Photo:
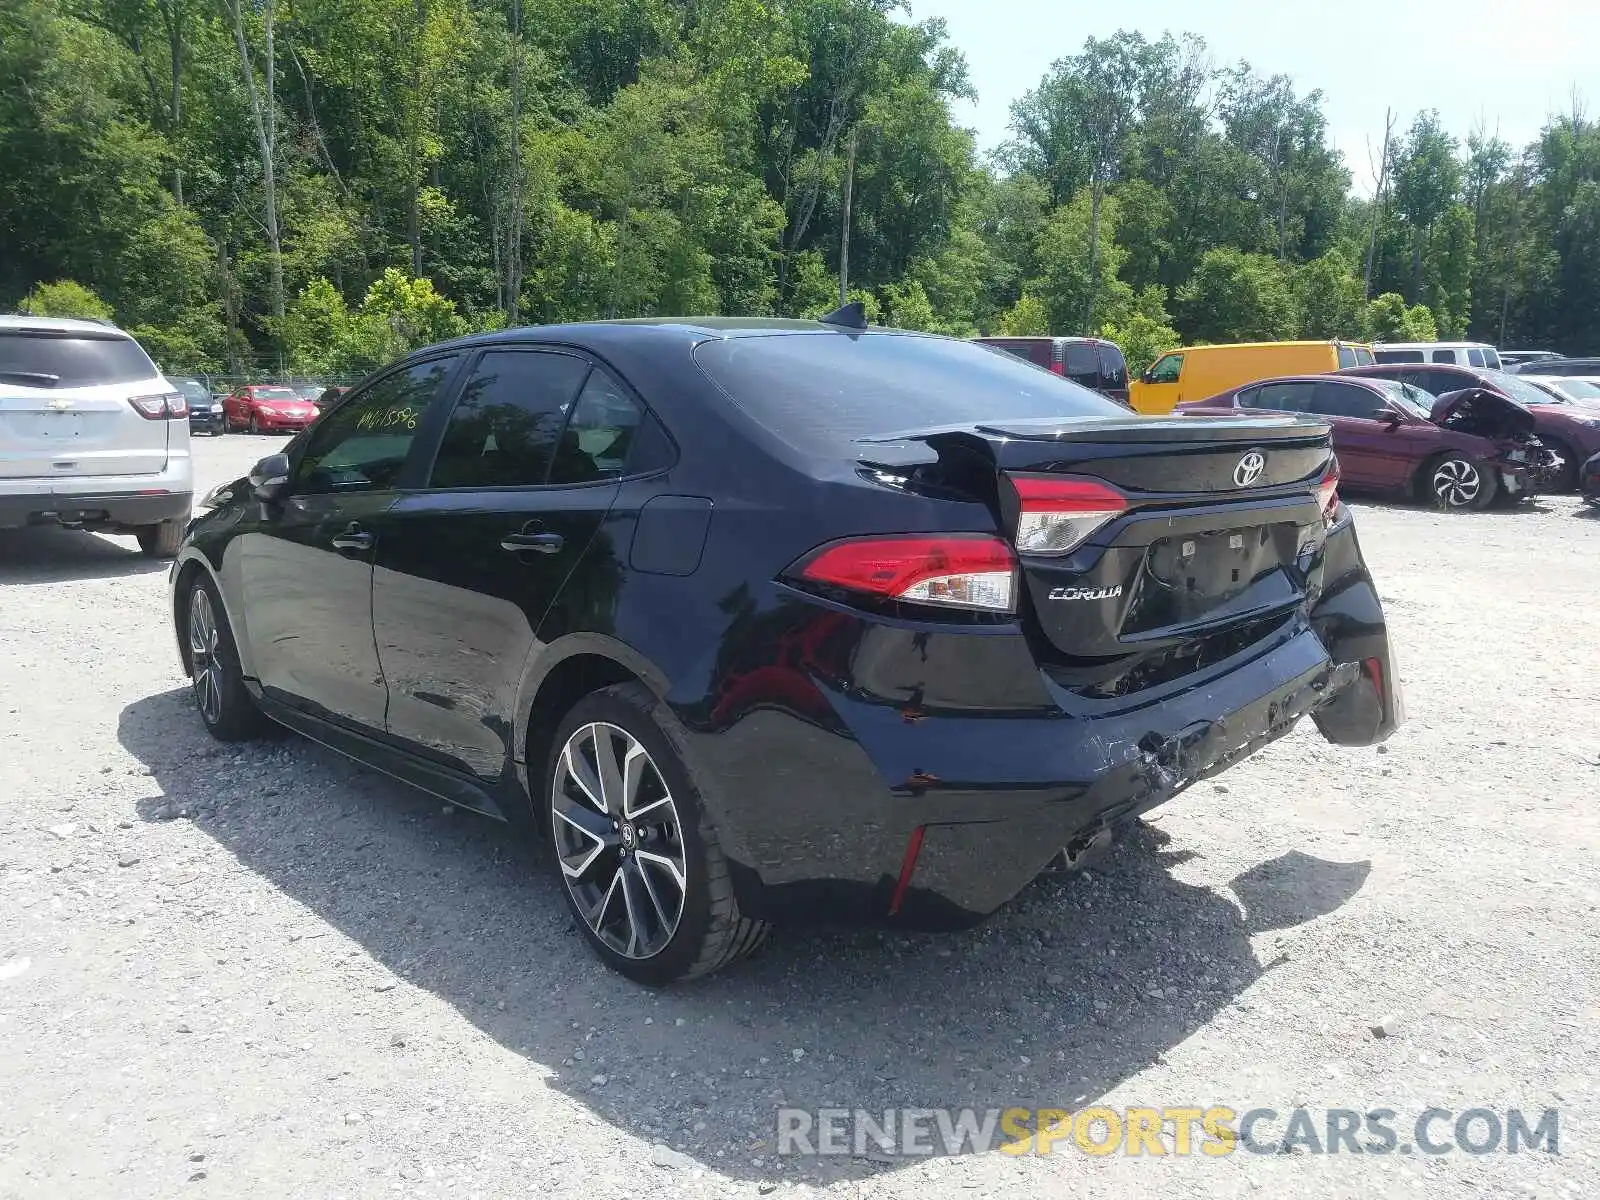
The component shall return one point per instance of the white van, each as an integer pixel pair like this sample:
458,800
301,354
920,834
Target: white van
1456,354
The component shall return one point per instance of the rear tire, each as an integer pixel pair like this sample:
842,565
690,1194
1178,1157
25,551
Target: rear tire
642,870
226,707
161,541
1458,484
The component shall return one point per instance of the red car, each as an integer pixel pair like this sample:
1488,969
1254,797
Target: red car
1571,431
268,408
1462,449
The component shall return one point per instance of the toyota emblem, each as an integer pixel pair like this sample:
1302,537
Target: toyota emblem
1250,468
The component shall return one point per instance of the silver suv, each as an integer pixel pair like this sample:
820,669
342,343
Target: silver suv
91,435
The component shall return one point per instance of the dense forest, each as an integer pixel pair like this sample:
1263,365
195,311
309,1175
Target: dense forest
316,185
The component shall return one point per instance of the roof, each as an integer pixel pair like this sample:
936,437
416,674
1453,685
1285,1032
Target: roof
1275,345
691,329
1433,346
59,324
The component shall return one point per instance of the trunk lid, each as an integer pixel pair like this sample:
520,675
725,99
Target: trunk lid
1207,540
68,432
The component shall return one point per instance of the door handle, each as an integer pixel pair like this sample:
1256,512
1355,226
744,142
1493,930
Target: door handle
539,543
353,538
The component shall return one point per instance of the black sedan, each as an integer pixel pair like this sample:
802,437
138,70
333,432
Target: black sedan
205,413
760,621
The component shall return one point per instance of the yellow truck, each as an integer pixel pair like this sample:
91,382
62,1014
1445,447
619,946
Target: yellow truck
1200,372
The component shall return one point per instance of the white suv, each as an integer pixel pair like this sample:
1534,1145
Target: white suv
91,435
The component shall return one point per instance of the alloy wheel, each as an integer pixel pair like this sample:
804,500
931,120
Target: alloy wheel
204,661
619,840
1457,482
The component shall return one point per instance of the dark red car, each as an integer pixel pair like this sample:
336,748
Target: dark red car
1094,363
1463,449
268,408
1571,431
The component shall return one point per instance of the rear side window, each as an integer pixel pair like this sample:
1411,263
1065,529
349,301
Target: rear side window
1398,356
33,358
1036,350
1113,367
504,429
1347,357
819,391
598,441
1446,356
1284,397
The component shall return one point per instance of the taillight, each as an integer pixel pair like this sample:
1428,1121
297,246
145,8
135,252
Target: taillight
973,571
1057,514
1058,368
160,408
1328,493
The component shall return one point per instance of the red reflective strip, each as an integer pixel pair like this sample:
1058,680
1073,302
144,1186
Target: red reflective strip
907,865
1045,493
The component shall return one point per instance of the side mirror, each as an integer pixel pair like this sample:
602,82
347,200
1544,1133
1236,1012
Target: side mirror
1387,415
269,477
1148,376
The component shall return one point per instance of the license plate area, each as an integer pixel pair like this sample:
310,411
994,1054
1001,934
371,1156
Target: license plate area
1196,577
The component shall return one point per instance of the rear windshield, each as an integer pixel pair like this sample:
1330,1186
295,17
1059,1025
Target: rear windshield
818,391
39,359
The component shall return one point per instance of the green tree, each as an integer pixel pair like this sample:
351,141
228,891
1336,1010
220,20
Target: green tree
1238,297
64,298
1328,298
1390,320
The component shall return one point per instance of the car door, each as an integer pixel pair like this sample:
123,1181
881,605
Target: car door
467,567
305,567
1158,389
1372,453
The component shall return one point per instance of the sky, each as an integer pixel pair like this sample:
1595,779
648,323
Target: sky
1505,67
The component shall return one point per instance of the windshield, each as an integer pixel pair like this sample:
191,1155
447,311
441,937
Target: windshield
1410,398
1519,390
1581,389
192,390
275,393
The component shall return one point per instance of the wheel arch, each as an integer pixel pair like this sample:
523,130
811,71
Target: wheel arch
565,673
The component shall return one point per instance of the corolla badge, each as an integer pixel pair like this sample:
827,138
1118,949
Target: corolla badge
1250,468
1086,593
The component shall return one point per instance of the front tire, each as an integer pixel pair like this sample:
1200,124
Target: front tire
1566,479
639,859
255,424
160,541
1458,484
226,707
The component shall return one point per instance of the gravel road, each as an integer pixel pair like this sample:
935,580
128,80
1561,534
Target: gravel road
267,972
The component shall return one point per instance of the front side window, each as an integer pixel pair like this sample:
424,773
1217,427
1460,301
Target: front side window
1475,357
504,429
362,445
1167,369
1344,400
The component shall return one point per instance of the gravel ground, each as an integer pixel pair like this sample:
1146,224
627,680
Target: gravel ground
267,972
